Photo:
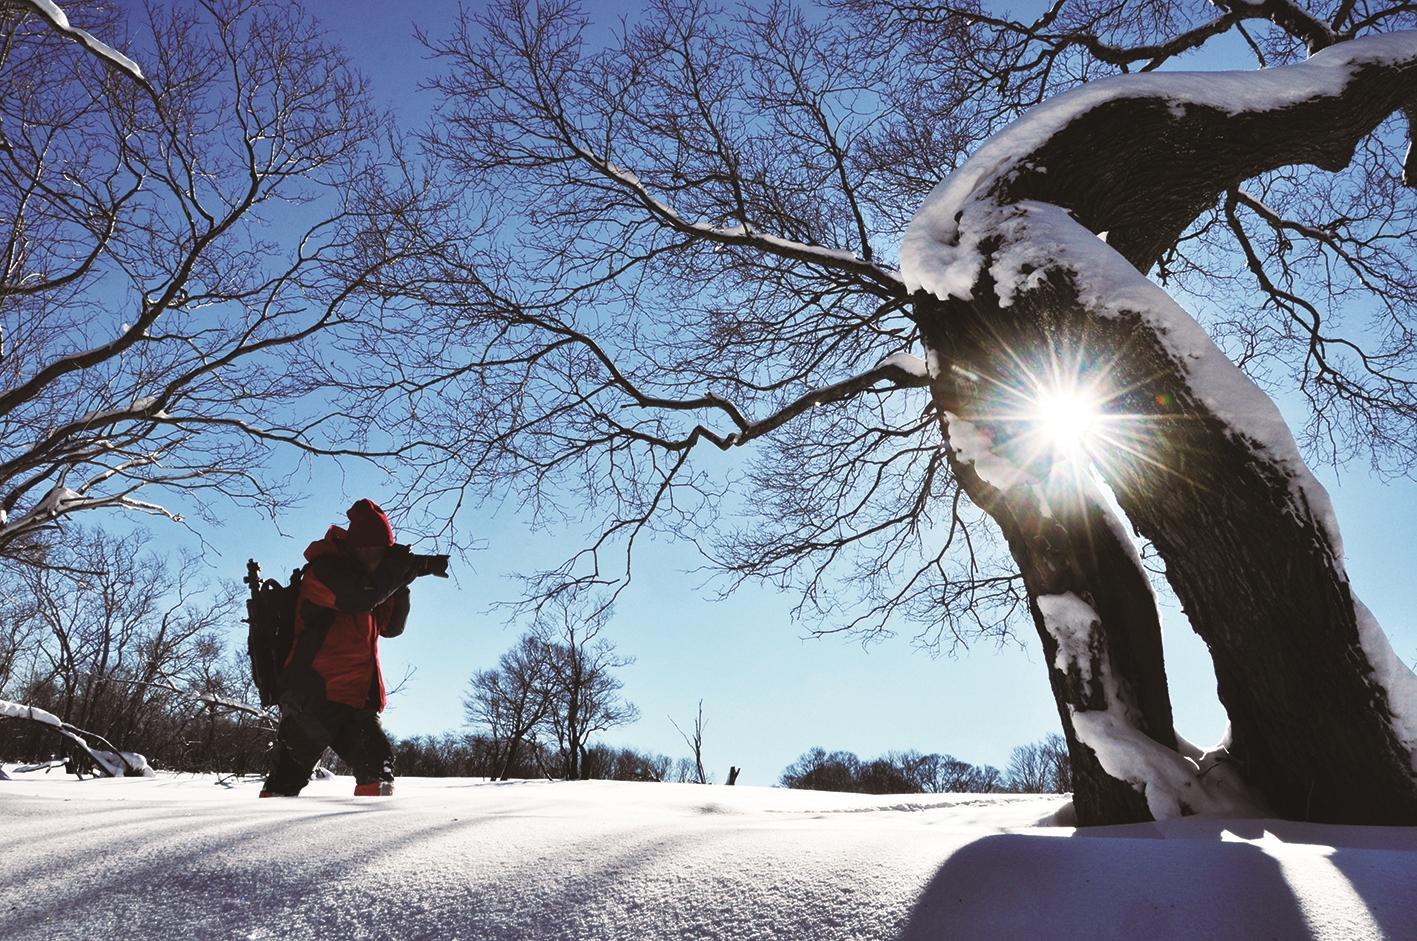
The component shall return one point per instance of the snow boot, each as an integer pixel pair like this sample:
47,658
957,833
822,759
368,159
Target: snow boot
375,789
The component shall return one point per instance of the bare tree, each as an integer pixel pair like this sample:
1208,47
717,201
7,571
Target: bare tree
1039,767
955,776
586,698
513,700
818,770
695,743
181,240
698,218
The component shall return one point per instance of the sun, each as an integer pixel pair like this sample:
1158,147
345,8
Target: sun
1068,418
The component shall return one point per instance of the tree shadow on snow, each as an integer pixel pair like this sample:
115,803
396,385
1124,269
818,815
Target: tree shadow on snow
1099,885
1379,864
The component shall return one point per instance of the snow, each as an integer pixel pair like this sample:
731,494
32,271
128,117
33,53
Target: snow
14,710
972,445
1071,621
58,498
908,363
1175,784
139,405
737,233
1395,677
940,249
181,857
55,15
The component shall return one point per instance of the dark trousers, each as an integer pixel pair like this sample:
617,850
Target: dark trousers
305,733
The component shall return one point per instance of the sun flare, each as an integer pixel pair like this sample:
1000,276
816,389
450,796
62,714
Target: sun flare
1068,419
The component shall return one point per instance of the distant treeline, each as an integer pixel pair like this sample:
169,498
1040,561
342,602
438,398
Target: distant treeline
209,740
455,754
1038,768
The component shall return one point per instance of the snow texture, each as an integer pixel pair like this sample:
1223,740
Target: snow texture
1395,677
14,710
457,859
1071,621
50,11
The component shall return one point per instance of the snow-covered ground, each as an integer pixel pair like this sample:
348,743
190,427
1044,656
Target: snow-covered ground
184,857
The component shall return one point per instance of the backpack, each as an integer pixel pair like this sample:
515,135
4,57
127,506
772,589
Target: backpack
270,618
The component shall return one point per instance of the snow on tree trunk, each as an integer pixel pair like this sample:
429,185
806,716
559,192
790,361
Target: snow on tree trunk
1323,715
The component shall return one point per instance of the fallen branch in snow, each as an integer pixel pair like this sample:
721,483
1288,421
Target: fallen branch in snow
115,763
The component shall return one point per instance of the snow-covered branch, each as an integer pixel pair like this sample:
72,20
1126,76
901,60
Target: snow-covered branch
1345,89
747,236
56,18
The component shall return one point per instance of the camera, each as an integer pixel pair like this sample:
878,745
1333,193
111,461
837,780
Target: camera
436,565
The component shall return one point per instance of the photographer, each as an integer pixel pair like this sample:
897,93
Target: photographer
354,591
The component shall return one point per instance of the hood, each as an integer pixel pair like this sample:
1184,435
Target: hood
331,544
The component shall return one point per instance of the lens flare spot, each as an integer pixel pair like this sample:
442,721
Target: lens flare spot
1068,419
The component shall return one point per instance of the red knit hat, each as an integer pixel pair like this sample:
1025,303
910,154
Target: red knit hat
368,526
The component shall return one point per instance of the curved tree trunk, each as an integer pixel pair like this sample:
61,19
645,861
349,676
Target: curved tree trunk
1211,476
1252,563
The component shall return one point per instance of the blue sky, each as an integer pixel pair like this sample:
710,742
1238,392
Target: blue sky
769,691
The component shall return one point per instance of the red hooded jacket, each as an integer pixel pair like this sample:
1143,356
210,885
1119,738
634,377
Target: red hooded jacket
340,614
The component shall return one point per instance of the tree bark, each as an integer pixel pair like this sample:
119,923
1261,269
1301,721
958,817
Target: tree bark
1256,573
510,761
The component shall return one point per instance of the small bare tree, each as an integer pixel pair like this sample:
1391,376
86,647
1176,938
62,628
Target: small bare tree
695,743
